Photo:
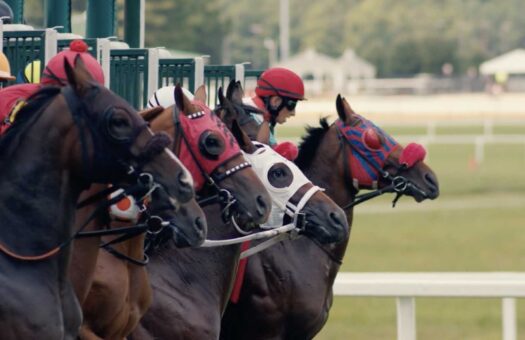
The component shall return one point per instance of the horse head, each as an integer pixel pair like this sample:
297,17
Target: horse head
363,156
119,143
373,159
213,157
294,198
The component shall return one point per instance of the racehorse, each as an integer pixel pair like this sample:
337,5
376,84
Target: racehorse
120,293
287,290
63,140
191,287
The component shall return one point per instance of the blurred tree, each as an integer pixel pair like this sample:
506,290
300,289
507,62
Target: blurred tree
400,37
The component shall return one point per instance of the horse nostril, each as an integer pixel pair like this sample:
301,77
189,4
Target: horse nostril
432,184
201,227
261,206
336,220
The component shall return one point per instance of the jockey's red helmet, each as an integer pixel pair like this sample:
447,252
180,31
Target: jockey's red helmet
279,81
55,74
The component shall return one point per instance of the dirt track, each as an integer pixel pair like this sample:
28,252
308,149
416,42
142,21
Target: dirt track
418,108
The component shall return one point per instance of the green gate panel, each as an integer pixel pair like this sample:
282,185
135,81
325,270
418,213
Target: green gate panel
177,71
216,76
22,47
129,75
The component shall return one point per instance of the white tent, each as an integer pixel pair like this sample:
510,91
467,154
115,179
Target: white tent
512,62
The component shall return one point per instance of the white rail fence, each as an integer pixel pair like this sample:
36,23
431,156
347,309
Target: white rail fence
405,287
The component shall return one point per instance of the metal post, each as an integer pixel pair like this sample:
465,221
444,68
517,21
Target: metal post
101,18
509,319
58,13
406,318
153,71
51,44
103,57
199,73
239,73
134,22
284,24
18,10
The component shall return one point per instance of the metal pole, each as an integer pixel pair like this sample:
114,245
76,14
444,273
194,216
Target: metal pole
284,23
101,18
58,13
134,22
18,10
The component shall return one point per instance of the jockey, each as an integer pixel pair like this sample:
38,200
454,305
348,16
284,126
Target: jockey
30,74
165,97
13,97
5,68
276,95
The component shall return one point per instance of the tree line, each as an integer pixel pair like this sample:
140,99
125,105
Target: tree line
400,37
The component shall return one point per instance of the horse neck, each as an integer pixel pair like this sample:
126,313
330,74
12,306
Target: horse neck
39,190
320,173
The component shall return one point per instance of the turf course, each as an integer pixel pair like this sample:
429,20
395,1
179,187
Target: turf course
477,224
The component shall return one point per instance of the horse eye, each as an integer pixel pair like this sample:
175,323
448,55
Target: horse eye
118,125
211,145
280,175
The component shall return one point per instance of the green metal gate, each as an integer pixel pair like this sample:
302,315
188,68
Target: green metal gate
129,75
177,71
22,47
216,76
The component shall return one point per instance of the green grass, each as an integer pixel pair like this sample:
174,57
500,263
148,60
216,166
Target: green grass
477,224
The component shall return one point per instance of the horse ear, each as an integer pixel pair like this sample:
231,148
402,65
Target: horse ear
183,103
200,94
345,112
238,93
242,138
179,97
263,135
222,99
150,114
78,77
340,108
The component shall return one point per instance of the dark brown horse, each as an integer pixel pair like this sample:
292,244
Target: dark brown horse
62,141
287,291
191,286
121,293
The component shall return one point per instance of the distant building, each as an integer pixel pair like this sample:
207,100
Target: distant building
322,73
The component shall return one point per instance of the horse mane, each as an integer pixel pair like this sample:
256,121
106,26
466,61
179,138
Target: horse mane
25,118
310,142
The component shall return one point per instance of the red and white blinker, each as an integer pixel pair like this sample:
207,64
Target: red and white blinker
412,154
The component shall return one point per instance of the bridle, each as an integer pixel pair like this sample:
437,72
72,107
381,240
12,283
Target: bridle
220,195
397,183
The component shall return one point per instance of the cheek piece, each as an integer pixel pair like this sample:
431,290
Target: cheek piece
412,154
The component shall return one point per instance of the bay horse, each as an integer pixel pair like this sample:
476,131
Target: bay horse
191,287
63,140
120,293
287,289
